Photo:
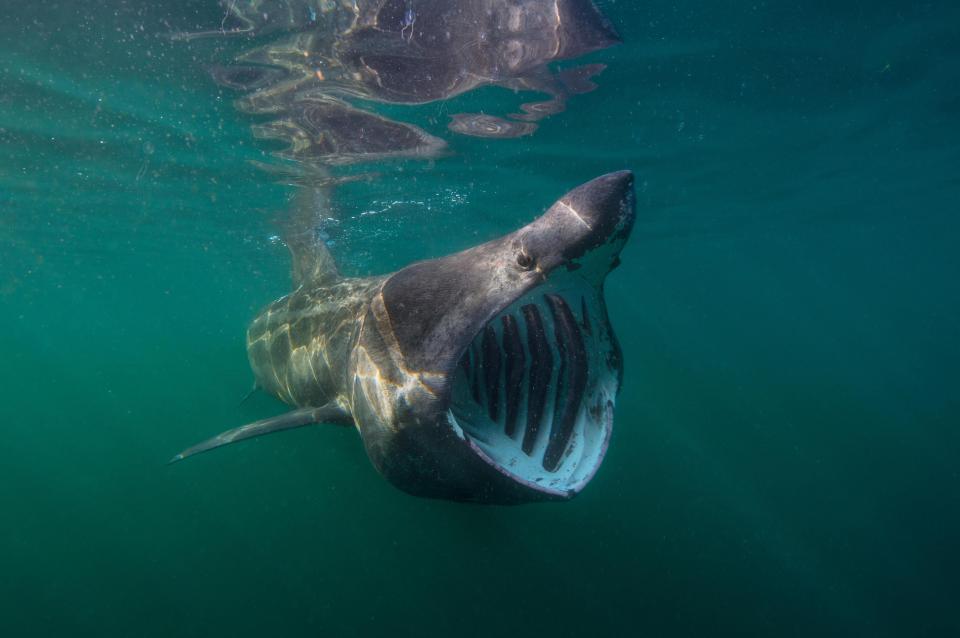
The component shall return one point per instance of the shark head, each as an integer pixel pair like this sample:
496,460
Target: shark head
491,374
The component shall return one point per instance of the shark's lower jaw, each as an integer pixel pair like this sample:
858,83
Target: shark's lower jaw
533,395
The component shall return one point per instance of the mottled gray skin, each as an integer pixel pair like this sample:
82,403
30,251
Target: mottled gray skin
384,349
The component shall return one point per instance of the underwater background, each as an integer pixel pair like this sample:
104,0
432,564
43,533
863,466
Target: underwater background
785,454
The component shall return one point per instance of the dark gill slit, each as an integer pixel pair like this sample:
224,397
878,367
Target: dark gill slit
513,349
491,371
541,369
475,370
572,381
586,316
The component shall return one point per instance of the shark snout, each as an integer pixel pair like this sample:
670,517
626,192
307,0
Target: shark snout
594,215
603,198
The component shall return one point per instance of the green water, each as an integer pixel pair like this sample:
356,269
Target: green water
785,456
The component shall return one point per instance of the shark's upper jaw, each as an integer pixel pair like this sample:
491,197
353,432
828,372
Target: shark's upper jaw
533,394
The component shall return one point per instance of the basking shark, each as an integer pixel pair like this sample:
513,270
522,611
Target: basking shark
489,375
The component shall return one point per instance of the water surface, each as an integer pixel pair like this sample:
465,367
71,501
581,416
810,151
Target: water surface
784,460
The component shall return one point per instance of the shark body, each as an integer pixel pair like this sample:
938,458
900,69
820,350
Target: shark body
489,375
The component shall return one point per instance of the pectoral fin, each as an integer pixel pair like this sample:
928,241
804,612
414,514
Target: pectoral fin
295,419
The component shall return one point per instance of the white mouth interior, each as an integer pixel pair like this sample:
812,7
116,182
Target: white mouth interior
552,348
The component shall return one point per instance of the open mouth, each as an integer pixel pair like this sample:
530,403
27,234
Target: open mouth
534,392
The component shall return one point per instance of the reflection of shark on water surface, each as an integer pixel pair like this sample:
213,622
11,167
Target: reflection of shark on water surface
489,375
407,52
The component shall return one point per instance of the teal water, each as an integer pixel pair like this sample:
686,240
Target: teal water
785,456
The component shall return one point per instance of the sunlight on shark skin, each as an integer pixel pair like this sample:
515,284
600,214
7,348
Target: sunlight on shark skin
406,357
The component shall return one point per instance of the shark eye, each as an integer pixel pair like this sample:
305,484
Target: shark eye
524,260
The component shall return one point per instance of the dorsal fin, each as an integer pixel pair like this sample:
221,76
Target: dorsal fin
312,263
